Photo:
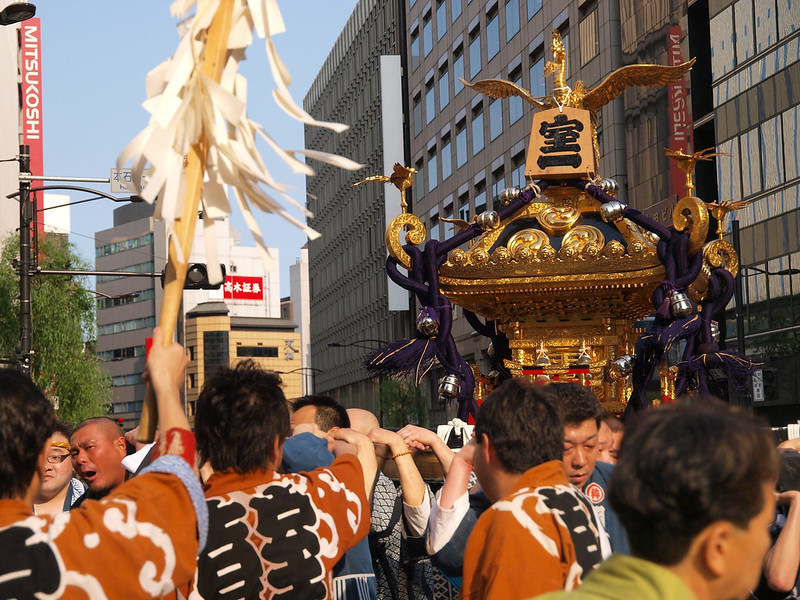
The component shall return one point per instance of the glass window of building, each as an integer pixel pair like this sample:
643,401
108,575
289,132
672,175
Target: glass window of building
455,9
565,38
441,19
518,170
416,116
463,209
447,158
477,130
427,34
461,144
587,32
537,74
444,87
419,181
534,6
434,228
433,170
495,119
415,57
474,53
430,102
515,102
480,198
458,70
411,3
499,182
492,35
512,19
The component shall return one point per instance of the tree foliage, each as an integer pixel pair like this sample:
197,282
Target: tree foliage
401,402
62,320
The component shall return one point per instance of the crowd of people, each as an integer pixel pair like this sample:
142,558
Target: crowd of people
269,498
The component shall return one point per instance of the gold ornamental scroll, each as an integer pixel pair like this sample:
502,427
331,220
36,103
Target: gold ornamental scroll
213,63
561,145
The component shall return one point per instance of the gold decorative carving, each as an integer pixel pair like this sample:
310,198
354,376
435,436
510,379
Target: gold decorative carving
583,240
557,220
415,235
718,253
692,212
531,239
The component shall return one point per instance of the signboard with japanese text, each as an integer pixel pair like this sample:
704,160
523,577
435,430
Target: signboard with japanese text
122,182
243,288
561,145
680,122
31,89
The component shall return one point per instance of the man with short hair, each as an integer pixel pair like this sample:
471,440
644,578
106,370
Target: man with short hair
140,541
582,417
98,447
272,535
540,533
59,490
323,411
693,487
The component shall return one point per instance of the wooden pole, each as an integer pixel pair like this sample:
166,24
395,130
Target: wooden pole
216,54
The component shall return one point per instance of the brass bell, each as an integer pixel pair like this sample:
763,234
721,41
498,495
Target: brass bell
449,387
542,360
488,220
427,326
507,195
612,211
680,305
621,367
490,350
584,360
715,332
610,187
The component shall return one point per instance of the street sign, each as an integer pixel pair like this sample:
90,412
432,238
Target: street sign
758,386
122,181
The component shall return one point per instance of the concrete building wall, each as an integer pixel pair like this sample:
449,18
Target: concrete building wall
348,283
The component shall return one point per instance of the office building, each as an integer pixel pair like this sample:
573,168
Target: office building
353,306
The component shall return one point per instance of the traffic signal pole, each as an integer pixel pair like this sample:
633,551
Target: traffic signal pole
26,213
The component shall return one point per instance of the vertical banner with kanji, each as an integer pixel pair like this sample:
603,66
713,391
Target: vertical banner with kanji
31,71
680,122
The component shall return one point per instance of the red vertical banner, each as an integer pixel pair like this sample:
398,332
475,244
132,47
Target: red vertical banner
31,67
680,121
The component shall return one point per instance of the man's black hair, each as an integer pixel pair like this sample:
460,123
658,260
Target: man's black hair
64,429
240,413
329,414
578,402
27,420
681,468
524,423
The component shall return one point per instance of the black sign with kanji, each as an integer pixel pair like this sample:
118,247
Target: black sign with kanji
561,147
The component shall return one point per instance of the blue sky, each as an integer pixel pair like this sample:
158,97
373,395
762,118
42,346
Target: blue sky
95,56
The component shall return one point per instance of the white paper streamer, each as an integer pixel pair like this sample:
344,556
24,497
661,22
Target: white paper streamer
183,103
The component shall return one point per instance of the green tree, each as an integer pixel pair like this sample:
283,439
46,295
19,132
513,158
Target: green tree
62,320
401,402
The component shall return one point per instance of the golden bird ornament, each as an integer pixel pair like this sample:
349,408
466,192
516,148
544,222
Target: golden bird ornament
402,178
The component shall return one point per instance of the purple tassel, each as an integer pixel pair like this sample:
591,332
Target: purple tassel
738,367
403,358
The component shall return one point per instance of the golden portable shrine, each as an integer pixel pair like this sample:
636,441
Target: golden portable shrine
560,273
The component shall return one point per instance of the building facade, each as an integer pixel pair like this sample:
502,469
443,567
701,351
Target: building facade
349,290
755,73
215,338
130,304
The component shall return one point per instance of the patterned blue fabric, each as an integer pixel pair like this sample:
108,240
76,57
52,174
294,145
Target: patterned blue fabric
617,535
181,469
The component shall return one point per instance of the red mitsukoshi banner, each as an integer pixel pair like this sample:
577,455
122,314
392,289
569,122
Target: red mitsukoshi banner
243,288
